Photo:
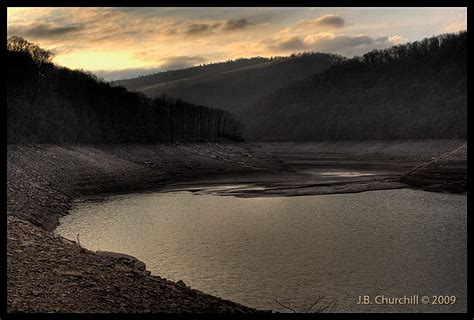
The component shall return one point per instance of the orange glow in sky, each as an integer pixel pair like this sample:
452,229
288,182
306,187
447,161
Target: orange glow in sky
123,42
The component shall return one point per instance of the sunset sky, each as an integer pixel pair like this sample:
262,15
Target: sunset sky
118,43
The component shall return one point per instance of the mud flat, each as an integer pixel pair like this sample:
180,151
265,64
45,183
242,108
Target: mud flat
330,167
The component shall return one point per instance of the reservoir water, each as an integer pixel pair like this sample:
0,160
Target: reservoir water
250,250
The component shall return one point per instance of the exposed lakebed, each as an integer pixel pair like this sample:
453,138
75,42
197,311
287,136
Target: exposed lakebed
250,250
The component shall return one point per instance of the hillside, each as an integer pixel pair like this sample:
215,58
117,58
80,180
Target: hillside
49,103
231,85
415,90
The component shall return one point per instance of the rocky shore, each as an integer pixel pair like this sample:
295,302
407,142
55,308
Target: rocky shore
47,273
42,179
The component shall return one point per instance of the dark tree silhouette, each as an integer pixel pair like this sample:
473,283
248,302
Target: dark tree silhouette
414,90
49,103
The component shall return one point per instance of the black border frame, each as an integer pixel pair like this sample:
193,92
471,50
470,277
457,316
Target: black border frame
248,3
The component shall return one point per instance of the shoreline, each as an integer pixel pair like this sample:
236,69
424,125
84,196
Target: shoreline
43,180
64,175
66,172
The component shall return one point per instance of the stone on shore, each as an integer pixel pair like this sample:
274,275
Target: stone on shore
124,258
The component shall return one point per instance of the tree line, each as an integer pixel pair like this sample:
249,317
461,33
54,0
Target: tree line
50,103
413,90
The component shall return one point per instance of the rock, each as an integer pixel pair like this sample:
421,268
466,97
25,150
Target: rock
122,268
71,273
123,257
26,243
108,300
29,249
181,283
139,265
149,163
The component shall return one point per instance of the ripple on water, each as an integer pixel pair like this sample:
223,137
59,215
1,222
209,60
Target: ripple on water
249,250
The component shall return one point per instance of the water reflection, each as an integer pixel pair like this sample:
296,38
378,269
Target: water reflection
250,250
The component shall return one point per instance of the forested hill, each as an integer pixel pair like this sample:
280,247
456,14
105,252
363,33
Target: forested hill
231,85
415,90
48,103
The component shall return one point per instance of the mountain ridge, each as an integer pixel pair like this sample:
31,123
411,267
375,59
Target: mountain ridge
234,84
414,90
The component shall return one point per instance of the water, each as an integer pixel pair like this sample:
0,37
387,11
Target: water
250,250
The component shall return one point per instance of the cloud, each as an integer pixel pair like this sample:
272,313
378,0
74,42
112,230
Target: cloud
289,44
65,49
332,43
201,28
456,26
330,20
209,27
116,38
236,24
104,27
396,39
44,30
329,40
169,63
180,62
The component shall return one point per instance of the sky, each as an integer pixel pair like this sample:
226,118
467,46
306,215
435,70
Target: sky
118,43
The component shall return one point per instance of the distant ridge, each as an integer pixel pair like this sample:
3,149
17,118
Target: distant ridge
231,85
